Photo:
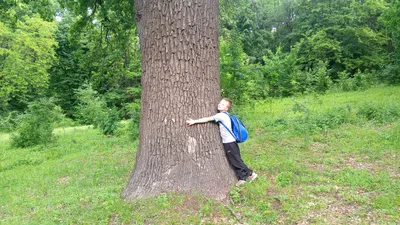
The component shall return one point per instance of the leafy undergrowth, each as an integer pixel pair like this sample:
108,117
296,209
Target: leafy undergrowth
331,159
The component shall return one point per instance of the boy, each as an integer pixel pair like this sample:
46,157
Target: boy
231,148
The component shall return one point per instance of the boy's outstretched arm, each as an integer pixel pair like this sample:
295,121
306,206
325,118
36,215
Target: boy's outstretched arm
190,122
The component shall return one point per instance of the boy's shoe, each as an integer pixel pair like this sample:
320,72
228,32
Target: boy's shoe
240,182
252,177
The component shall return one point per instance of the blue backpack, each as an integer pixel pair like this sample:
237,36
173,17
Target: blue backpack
239,130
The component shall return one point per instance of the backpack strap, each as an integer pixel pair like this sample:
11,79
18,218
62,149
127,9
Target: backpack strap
231,132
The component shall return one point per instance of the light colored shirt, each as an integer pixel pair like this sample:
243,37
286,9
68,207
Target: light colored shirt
226,136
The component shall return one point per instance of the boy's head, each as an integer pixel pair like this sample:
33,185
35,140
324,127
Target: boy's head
224,105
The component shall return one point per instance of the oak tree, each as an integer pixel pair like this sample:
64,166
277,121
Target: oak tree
180,79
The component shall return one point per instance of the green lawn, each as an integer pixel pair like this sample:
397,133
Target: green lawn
330,159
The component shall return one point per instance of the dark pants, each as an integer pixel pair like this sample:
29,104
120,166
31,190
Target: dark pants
233,154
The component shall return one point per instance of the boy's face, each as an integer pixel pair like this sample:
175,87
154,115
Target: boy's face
223,106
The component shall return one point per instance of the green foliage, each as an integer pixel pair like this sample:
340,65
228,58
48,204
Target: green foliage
390,74
65,122
361,48
26,54
382,113
284,179
36,125
92,109
134,122
321,46
100,46
70,70
306,120
320,40
356,178
391,20
110,122
233,68
13,11
131,127
9,121
279,71
315,80
387,203
318,122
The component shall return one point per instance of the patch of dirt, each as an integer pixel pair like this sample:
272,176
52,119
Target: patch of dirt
354,163
394,174
259,131
317,166
276,204
114,219
215,220
318,146
293,143
64,180
271,192
191,204
335,213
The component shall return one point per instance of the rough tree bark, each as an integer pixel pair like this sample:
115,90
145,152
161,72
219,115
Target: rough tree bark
180,80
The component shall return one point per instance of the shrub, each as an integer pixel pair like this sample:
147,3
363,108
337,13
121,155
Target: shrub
109,123
9,121
92,109
133,126
391,74
379,112
359,81
36,124
332,118
65,122
311,121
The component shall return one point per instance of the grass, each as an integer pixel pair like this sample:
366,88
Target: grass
312,170
4,137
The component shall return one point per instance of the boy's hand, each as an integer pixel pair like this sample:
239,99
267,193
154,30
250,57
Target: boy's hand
190,122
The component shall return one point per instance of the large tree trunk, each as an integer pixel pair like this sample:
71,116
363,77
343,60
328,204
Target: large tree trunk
180,80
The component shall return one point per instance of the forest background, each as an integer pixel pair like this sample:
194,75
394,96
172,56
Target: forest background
81,59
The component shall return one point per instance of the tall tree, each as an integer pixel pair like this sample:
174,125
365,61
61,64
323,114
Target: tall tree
26,54
99,44
70,72
180,80
391,19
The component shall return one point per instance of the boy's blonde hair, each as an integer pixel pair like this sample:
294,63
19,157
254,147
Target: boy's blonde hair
229,101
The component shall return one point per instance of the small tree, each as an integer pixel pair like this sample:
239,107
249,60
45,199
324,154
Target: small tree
92,109
36,124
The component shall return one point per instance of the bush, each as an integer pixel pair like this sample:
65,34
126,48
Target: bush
132,128
92,109
110,122
379,112
331,119
9,121
134,123
360,81
310,121
391,74
65,122
36,124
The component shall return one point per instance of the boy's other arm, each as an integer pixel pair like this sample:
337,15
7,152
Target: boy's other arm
190,122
